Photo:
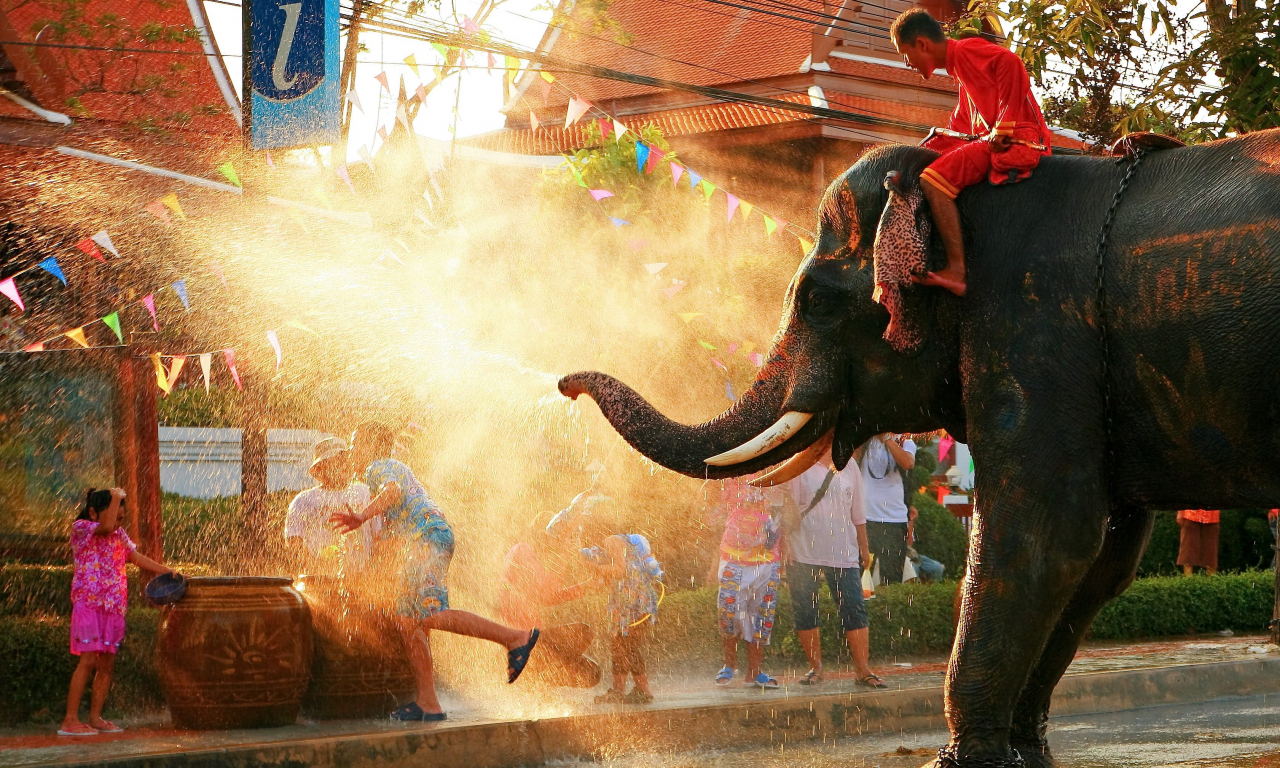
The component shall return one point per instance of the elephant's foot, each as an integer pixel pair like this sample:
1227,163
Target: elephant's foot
948,757
1035,755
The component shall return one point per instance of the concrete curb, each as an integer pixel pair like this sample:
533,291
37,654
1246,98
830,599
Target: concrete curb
793,719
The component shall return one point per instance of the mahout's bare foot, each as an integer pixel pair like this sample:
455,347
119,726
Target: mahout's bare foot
950,280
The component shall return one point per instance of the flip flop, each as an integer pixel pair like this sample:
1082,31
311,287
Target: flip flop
724,676
110,727
872,681
517,658
91,732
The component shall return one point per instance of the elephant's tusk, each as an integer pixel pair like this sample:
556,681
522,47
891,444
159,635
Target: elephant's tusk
797,465
767,440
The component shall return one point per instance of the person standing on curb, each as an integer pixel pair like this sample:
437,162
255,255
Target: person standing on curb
827,539
883,493
1198,543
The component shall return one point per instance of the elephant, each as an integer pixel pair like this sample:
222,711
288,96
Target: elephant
1081,422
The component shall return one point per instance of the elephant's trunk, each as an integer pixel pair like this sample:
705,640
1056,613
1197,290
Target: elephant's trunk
751,435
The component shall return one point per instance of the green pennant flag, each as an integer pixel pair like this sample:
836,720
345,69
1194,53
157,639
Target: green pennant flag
708,188
440,49
112,321
577,175
229,171
707,345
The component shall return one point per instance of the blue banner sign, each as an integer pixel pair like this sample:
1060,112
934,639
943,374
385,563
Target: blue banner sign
291,68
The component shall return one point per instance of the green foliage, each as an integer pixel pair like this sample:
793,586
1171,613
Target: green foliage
210,532
1176,605
610,163
940,535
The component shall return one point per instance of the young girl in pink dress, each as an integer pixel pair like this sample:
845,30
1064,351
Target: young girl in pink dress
99,596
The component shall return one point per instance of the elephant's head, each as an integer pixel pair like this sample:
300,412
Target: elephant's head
830,378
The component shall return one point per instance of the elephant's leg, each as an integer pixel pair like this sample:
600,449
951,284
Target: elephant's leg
1038,532
1111,573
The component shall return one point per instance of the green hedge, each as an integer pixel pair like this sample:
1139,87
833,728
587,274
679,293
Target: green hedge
1162,606
1244,543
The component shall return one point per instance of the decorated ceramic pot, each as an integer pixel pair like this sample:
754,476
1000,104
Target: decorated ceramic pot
361,668
235,652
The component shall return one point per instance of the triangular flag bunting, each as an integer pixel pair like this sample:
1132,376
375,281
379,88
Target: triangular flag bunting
157,209
694,179
707,345
230,356
381,77
577,108
577,175
688,316
728,391
402,117
673,290
733,347
274,341
271,163
656,267
149,301
162,378
757,359
112,321
782,223
440,49
104,240
205,361
229,170
171,202
747,347
301,327
600,194
341,170
642,156
421,93
77,335
90,247
769,225
676,170
618,222
10,289
619,130
50,265
365,157
493,63
708,189
37,347
533,121
718,364
216,269
354,98
655,157
747,208
546,92
469,26
382,131
175,369
805,246
547,76
412,61
180,288
733,205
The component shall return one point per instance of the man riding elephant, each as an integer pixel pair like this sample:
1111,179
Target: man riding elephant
1100,349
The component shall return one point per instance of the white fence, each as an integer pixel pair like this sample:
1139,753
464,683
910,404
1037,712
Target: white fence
204,463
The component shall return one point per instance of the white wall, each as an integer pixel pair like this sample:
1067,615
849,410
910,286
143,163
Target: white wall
204,463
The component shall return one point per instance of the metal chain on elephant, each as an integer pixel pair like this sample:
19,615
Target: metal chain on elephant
949,757
1101,299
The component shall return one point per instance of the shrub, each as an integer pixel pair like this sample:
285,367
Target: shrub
1244,542
1175,605
940,535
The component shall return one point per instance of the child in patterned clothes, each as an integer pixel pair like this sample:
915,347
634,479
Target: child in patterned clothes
99,597
628,563
424,542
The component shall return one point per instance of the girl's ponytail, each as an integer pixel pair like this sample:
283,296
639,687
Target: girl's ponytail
85,512
94,501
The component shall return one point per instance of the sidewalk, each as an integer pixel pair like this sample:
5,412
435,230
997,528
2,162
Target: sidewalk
512,727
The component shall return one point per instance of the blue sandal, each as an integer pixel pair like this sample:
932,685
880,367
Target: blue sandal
724,676
413,713
517,658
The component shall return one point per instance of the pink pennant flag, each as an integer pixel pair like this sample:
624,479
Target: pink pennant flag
149,301
270,163
676,170
577,108
10,289
944,446
341,170
274,341
733,347
158,210
655,155
733,205
176,369
673,290
719,364
533,121
757,359
230,356
782,223
493,63
382,78
600,194
206,360
603,124
37,347
421,94
216,269
469,26
546,91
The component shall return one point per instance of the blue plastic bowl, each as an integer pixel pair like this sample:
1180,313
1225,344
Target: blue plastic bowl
166,589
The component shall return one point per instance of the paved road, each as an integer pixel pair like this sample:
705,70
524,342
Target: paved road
1227,734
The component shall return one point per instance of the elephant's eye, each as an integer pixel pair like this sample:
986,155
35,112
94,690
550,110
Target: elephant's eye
822,307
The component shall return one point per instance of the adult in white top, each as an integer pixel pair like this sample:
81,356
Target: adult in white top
313,544
885,499
827,538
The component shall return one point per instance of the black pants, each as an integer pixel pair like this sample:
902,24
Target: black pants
888,543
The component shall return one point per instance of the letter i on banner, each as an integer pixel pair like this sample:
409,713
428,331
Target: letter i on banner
206,360
291,68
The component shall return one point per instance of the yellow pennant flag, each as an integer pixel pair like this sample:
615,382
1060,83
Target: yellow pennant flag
171,202
412,61
747,347
707,345
77,335
162,380
547,76
688,316
747,208
769,225
805,247
301,327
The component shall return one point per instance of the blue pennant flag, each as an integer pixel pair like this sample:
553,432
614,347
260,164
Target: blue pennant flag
728,391
180,288
618,222
642,156
694,179
50,265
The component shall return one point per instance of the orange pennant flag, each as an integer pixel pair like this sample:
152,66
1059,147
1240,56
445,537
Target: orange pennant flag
175,369
77,335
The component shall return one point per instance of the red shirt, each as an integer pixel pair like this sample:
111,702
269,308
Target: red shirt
995,92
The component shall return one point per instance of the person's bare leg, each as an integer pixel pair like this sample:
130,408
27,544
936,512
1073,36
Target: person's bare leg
101,687
755,657
731,652
642,683
418,642
471,625
946,217
811,642
1186,570
860,648
79,679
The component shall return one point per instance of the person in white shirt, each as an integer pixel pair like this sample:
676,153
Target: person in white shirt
884,496
827,538
313,545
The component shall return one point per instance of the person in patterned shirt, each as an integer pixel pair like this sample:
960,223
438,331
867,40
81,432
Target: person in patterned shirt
425,544
100,549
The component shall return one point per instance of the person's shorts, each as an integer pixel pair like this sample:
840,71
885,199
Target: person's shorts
845,584
94,630
627,651
748,600
422,590
1198,544
970,163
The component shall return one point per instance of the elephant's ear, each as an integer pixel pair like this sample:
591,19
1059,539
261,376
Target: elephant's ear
901,252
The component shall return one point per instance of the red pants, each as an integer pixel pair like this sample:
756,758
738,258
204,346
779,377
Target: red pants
964,164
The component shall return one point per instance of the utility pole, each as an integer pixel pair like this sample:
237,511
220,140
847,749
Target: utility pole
346,78
1275,565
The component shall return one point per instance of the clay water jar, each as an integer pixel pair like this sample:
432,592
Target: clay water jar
235,652
360,668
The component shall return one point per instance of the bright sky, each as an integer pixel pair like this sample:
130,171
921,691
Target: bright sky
481,91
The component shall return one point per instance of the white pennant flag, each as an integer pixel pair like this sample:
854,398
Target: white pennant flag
104,241
619,130
205,359
354,98
403,117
